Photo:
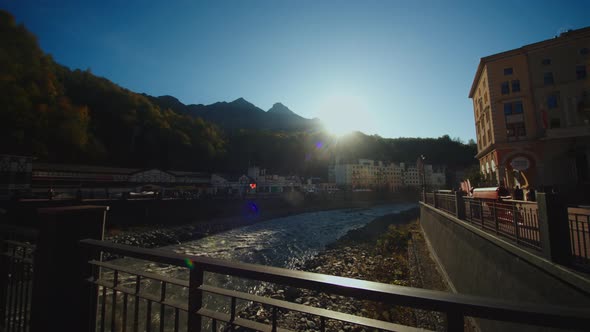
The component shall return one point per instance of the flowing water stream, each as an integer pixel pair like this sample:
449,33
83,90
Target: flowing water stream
282,242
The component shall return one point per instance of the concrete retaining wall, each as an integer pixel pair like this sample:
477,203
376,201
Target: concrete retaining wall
478,263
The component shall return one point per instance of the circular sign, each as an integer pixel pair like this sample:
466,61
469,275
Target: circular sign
520,163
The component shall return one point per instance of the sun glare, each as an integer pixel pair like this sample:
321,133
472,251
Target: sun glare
342,114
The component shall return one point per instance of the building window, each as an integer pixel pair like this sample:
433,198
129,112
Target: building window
548,78
581,72
508,71
546,62
516,86
488,136
552,101
513,108
555,123
505,88
515,129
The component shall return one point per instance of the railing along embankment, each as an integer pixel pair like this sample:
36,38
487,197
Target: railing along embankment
132,298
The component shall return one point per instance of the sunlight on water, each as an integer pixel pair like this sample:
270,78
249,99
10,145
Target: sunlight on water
282,242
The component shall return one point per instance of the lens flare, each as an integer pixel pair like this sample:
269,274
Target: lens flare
189,263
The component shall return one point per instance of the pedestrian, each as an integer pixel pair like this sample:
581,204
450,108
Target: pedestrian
518,193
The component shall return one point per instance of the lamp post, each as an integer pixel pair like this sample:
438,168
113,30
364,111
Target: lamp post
422,158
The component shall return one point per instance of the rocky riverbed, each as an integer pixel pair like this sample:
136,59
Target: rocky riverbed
152,236
391,249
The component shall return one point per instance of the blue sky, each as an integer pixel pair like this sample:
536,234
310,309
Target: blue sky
392,68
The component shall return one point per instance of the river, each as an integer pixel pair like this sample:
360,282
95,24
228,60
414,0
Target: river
283,242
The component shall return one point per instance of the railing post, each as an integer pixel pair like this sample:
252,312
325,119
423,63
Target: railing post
455,321
554,228
62,297
515,219
435,200
459,206
495,211
195,298
481,213
3,280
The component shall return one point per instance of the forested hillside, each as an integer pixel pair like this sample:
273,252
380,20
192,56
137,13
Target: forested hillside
60,115
72,116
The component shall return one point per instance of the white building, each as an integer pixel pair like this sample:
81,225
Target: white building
272,183
378,175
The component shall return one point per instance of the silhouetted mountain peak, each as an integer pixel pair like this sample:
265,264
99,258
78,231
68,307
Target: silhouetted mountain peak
242,103
279,108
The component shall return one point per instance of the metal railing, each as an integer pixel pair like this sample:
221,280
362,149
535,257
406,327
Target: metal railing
16,277
579,221
126,290
519,221
516,220
446,202
429,198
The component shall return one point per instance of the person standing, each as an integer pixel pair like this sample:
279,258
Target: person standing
518,193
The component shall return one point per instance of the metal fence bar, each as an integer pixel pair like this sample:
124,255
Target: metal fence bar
16,270
458,306
516,221
579,229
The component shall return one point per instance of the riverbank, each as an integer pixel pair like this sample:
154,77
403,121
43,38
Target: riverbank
390,249
159,235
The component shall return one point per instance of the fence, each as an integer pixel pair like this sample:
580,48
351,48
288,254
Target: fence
122,294
68,275
520,221
517,221
17,247
446,202
429,198
579,220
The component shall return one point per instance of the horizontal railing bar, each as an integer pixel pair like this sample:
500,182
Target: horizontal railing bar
142,295
469,305
20,244
357,320
154,276
17,258
219,316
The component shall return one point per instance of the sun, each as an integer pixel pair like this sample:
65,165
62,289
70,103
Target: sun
342,114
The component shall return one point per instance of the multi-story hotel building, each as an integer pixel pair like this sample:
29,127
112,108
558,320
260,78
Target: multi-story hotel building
378,175
532,113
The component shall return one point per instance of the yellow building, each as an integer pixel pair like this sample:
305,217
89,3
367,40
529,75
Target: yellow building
532,113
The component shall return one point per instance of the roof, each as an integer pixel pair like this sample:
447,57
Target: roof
555,41
83,168
194,174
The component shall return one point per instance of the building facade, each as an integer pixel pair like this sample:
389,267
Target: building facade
379,175
532,113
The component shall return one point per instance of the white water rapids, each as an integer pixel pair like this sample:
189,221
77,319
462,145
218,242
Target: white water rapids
282,242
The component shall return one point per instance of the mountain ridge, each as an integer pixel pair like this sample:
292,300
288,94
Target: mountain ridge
240,114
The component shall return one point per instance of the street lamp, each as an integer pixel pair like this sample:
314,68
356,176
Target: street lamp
422,158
